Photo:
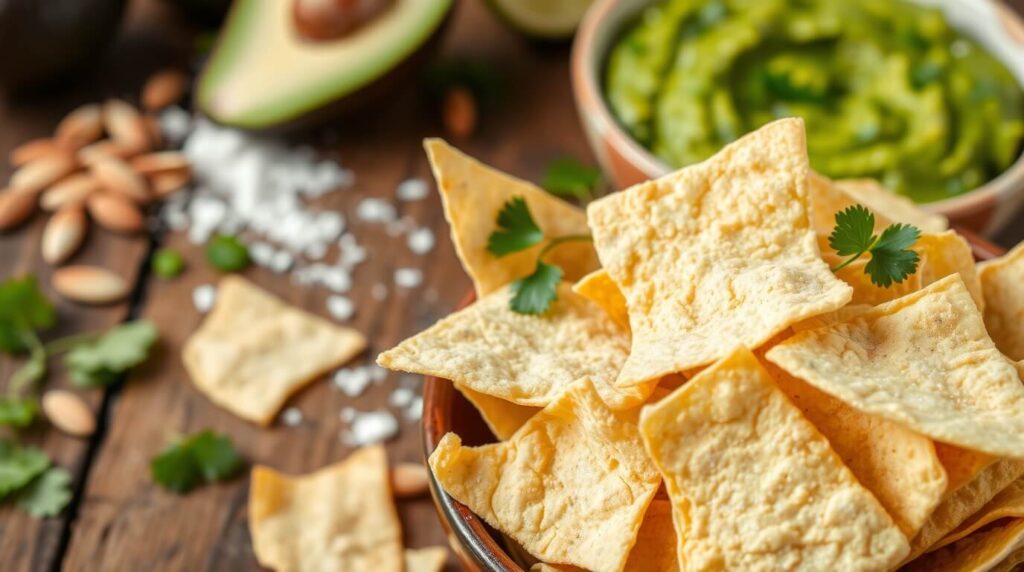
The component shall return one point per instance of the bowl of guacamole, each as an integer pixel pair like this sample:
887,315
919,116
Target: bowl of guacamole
924,96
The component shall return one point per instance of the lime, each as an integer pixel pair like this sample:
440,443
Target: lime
548,19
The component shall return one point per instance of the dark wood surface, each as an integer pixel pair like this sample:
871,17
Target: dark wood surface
120,520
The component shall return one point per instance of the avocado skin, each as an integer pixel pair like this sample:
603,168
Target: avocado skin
46,41
372,95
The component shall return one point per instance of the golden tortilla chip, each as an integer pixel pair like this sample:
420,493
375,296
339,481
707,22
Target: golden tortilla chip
829,197
502,417
341,517
1008,503
865,291
923,361
253,351
1002,282
945,254
964,502
571,486
600,289
526,359
716,254
900,467
961,465
754,485
1011,563
430,559
978,552
473,194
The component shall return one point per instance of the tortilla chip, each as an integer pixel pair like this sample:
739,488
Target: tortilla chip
341,517
526,359
980,551
1008,503
829,197
571,486
502,417
966,501
945,254
599,288
865,291
755,485
473,194
1011,563
900,467
253,351
923,361
1002,282
961,465
716,254
430,559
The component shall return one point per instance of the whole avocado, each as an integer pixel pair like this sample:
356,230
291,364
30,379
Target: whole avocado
48,40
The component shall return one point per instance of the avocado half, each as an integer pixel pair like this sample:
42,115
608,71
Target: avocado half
263,76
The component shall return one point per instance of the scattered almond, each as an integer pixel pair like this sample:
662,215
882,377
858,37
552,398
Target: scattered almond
34,149
63,234
163,88
43,172
89,284
409,480
15,208
115,213
126,125
69,413
162,162
92,154
71,190
459,113
116,176
163,184
80,127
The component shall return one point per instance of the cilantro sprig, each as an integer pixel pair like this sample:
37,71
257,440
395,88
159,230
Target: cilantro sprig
892,261
518,231
190,461
567,177
28,477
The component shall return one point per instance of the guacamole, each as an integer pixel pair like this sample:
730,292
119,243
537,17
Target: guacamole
887,89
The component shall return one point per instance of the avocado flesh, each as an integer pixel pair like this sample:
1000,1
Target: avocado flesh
262,74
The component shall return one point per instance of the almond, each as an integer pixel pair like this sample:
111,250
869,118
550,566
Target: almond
69,413
163,88
34,149
63,234
92,154
15,208
115,213
409,480
89,284
43,172
156,133
164,184
80,127
459,113
126,125
116,176
162,162
69,191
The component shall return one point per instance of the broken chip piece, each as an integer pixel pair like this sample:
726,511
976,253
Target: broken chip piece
1002,282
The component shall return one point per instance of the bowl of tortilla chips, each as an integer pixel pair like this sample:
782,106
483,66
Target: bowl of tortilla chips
695,373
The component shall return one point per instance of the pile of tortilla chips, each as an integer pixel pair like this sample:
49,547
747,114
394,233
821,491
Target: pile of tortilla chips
704,362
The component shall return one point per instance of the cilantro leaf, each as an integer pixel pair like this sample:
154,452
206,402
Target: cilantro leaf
19,465
167,263
534,293
205,456
227,253
854,231
47,494
891,260
568,177
99,362
18,412
23,310
517,229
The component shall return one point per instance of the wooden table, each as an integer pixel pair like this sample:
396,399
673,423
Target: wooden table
120,520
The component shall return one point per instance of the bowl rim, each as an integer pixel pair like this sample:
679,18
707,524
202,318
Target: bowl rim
586,63
475,542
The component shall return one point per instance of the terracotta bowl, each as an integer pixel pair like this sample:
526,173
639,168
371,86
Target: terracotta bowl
478,546
996,27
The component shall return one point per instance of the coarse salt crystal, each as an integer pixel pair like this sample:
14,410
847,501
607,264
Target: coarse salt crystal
370,427
379,292
352,381
377,373
337,279
408,277
374,210
415,410
203,297
347,414
282,261
340,307
412,190
421,241
401,397
291,417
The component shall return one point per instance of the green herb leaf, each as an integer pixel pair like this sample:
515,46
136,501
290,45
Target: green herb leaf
569,178
891,260
517,229
47,494
227,253
19,465
205,456
18,412
167,263
33,369
854,231
534,293
101,361
23,309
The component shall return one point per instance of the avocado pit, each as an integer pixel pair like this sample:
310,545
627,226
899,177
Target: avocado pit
325,20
